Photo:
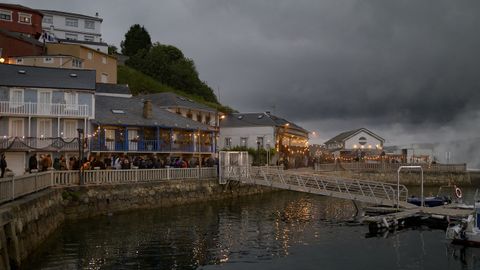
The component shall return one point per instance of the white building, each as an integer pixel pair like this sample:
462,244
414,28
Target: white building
353,141
74,28
265,131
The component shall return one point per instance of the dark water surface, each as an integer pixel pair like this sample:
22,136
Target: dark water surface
283,230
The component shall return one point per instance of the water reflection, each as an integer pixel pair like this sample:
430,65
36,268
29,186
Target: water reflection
286,229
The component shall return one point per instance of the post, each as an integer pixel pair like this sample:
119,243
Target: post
80,154
13,187
422,200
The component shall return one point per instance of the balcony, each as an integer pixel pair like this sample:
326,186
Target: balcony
38,144
44,109
146,146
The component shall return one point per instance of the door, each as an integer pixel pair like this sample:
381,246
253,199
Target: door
44,133
110,139
16,128
16,162
133,140
44,102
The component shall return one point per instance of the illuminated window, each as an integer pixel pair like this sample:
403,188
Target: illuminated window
25,18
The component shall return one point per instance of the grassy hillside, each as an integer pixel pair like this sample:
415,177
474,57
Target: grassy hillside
140,83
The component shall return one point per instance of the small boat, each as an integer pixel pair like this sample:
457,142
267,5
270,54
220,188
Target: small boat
444,197
467,232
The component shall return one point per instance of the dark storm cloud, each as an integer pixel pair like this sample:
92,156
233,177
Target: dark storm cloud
394,66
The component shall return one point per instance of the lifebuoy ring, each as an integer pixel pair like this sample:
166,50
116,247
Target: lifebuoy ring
458,193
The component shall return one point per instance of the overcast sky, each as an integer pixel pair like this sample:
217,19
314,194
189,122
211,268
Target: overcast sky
407,70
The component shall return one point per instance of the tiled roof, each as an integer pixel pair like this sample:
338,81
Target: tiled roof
74,41
257,119
132,115
347,134
169,100
22,37
44,77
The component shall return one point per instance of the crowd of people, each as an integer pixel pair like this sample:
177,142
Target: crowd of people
114,162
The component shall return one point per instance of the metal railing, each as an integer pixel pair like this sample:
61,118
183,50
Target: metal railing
15,187
44,109
47,144
388,167
359,190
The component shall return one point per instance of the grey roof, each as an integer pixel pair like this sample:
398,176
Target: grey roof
133,116
347,134
112,88
22,37
169,100
70,14
44,77
20,7
257,119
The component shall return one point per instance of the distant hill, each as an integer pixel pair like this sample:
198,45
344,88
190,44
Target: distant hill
140,83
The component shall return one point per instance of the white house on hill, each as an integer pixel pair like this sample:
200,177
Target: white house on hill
355,140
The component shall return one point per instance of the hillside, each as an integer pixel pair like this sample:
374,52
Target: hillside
140,83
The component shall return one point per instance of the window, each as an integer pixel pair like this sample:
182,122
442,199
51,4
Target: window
70,36
104,78
76,63
48,60
16,97
199,117
16,127
19,61
207,120
190,115
89,24
243,141
260,142
228,142
71,101
5,15
25,18
70,129
104,59
89,55
71,22
44,128
48,19
178,111
89,38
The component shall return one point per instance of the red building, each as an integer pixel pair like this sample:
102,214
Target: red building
20,28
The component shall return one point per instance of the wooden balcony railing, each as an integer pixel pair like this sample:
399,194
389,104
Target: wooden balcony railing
44,109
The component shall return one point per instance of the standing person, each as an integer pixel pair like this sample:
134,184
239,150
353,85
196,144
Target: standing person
32,163
44,162
3,165
49,161
56,164
63,163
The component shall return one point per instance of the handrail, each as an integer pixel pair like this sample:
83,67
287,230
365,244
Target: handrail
44,109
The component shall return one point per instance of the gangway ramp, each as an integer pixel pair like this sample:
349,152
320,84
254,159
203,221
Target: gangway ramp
371,192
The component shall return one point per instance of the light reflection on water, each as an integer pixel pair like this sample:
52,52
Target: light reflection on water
281,230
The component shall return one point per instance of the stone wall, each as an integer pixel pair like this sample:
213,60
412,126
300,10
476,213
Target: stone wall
411,177
27,222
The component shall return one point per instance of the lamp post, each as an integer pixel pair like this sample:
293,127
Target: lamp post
80,154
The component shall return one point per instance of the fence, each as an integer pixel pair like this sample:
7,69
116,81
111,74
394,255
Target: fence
388,167
15,187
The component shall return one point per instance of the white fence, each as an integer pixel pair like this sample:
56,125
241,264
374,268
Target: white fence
14,187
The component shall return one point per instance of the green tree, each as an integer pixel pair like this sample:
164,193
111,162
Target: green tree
136,38
169,66
112,49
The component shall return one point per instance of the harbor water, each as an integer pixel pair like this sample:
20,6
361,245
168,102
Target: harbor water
280,230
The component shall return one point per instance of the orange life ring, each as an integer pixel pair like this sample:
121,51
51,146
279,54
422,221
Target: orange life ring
458,193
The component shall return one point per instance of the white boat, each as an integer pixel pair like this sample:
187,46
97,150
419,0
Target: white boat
467,232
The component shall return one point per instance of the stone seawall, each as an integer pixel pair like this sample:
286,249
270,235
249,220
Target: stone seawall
411,177
27,222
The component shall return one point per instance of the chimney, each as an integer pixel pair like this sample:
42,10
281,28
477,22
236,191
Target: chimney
147,109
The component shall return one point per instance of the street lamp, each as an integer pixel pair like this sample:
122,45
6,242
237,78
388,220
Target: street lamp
80,154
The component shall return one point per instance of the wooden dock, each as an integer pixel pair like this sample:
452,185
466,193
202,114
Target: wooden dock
391,218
